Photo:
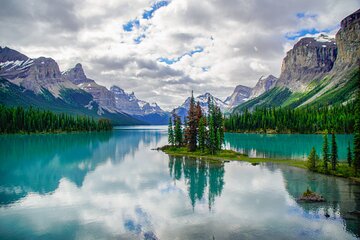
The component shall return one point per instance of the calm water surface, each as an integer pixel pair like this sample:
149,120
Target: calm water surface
293,146
113,186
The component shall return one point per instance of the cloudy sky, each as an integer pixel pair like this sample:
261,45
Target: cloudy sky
163,49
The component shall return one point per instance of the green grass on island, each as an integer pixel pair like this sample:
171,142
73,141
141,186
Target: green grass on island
343,170
228,155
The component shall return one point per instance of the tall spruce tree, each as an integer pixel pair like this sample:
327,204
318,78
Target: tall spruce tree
171,139
312,160
202,134
325,152
199,113
178,133
192,125
349,155
212,136
334,152
219,127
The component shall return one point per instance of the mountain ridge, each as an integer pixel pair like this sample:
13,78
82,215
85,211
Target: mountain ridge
318,70
43,77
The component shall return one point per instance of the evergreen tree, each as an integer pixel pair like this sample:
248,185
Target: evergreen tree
212,136
219,127
199,113
325,152
349,155
334,152
171,139
178,134
202,134
312,160
192,125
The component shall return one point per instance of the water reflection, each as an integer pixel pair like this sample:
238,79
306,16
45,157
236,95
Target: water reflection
294,146
342,196
198,174
37,163
113,186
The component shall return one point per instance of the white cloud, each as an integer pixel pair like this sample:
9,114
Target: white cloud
242,40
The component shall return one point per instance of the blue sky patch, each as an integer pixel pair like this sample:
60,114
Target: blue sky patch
150,13
139,39
170,61
311,31
301,15
129,26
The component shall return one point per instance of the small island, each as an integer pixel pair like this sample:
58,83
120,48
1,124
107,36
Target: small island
310,197
203,138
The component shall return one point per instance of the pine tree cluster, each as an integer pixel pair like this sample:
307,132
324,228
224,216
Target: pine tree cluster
20,120
314,119
201,132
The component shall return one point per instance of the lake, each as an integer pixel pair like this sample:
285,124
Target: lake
113,186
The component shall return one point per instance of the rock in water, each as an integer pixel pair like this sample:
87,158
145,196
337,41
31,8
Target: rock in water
310,196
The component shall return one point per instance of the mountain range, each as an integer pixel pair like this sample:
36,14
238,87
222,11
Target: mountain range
39,82
316,71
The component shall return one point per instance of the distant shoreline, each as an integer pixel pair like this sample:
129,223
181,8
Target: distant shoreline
271,132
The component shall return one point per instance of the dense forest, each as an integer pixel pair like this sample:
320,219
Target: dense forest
340,119
20,120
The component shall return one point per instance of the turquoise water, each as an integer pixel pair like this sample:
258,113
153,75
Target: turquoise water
113,186
293,146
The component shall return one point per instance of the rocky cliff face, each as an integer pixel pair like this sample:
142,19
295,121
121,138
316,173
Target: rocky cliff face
241,94
127,103
309,60
101,95
76,75
263,85
33,74
8,55
348,40
130,104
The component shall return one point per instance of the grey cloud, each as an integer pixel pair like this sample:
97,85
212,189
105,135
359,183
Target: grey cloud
110,63
145,68
182,80
148,64
160,72
38,23
183,37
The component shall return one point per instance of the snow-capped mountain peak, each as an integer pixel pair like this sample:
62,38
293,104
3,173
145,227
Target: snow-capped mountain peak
203,101
130,104
324,38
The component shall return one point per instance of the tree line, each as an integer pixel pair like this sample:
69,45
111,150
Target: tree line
339,118
202,132
21,120
330,157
